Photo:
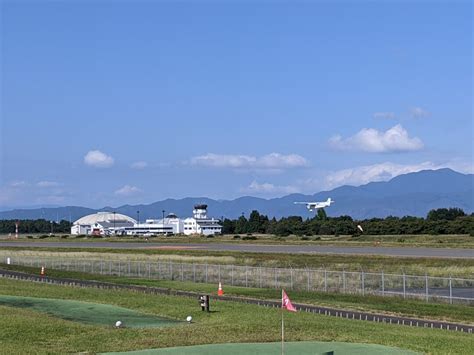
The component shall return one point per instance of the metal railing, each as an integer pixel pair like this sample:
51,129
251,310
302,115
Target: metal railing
429,288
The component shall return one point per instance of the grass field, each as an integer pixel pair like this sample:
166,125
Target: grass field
376,304
436,241
27,331
416,266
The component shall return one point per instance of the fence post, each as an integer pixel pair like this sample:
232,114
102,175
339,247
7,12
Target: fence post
291,278
426,288
206,272
232,275
325,280
362,280
450,290
343,281
219,272
276,278
260,277
182,272
404,286
307,274
246,276
383,283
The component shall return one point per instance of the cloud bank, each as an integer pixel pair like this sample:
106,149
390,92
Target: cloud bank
128,190
269,161
395,139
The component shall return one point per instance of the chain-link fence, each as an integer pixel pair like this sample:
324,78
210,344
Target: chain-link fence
429,288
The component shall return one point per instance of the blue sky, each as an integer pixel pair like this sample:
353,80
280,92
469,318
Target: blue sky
108,103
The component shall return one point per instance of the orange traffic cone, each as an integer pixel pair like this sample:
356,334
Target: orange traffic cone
219,290
42,273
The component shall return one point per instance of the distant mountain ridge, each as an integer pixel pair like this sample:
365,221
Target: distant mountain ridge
413,194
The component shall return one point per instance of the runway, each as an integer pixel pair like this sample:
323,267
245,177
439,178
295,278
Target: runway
258,248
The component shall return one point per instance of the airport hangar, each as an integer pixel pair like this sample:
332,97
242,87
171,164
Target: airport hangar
111,223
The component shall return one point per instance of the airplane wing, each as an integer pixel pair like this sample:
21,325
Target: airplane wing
301,203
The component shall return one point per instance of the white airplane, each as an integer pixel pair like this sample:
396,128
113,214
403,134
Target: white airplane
316,205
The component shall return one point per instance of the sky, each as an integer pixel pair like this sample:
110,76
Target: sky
105,103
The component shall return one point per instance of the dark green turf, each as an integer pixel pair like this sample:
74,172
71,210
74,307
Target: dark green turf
88,313
290,348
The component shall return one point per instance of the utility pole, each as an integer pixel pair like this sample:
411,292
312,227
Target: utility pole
163,221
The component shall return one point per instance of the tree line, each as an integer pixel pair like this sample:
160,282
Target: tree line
438,221
32,226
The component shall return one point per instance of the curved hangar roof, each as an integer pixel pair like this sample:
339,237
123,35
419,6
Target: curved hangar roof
104,217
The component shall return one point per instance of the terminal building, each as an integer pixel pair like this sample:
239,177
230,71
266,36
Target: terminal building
110,223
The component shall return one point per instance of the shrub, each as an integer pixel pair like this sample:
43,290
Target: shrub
210,236
304,238
64,236
236,237
43,236
401,240
29,236
249,238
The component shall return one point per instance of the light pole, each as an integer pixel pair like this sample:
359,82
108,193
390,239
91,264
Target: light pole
51,227
138,222
163,221
114,223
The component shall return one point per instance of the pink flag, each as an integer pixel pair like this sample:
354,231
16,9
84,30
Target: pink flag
286,303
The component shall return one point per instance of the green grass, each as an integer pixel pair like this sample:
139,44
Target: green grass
388,305
26,331
417,266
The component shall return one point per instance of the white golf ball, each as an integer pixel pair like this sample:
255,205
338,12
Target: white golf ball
118,324
189,319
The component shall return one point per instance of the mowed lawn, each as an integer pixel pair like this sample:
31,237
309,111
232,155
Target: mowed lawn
25,331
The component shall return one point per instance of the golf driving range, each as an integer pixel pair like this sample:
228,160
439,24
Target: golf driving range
45,318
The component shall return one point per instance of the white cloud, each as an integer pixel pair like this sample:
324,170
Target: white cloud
128,190
418,112
139,165
384,115
47,184
269,161
18,183
268,189
395,139
98,159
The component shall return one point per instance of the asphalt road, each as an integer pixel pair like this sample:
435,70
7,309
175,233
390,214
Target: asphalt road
259,248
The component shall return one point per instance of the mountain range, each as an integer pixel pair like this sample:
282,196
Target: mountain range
413,194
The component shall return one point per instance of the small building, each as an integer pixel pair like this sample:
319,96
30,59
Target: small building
171,224
200,223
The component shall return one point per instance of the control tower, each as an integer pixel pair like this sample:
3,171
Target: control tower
200,211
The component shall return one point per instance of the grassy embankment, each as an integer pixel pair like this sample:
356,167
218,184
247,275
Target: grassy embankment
370,263
26,331
423,240
375,304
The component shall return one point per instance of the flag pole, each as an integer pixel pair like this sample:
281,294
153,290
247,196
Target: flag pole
282,327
